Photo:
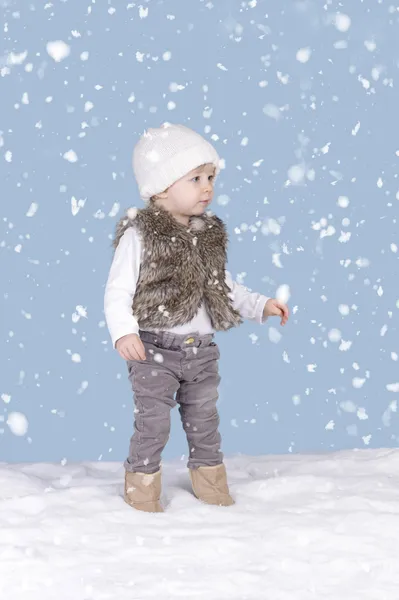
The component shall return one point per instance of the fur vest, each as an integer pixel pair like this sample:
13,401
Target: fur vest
181,268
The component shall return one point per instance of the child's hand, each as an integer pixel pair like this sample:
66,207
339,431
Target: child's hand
275,308
130,347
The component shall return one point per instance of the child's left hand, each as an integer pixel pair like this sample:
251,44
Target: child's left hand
275,308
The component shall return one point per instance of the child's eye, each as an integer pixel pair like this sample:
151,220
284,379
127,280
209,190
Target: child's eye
198,177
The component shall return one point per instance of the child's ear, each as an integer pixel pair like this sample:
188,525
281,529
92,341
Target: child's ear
161,196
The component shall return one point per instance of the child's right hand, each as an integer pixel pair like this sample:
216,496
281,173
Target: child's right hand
130,347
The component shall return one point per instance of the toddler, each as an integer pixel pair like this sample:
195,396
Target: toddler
166,294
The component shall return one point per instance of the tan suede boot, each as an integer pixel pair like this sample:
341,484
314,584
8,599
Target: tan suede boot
143,492
210,485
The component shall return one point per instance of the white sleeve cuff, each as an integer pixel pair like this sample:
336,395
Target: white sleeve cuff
261,303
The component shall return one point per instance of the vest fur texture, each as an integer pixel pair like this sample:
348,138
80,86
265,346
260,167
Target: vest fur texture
181,268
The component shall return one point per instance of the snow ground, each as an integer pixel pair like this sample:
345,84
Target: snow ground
304,527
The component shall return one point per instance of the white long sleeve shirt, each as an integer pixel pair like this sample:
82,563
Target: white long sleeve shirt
121,287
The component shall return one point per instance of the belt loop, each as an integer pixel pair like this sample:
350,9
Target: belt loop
167,339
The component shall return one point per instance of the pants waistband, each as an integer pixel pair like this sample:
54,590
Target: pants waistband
167,339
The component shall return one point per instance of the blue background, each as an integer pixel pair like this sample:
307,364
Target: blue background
270,402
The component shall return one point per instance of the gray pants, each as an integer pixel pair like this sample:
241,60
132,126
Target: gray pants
185,366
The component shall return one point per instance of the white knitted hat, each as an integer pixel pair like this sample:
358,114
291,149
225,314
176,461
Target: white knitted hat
164,155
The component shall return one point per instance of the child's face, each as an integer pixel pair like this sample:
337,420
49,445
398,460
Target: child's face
191,194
